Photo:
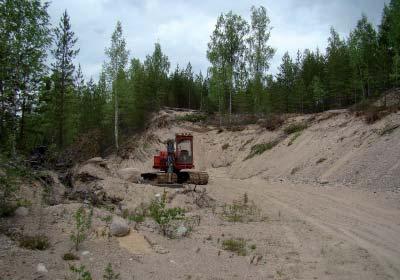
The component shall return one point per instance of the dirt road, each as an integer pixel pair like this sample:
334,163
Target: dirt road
337,233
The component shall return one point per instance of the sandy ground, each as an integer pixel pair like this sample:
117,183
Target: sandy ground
336,220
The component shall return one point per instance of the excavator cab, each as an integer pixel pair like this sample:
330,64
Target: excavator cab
184,151
182,159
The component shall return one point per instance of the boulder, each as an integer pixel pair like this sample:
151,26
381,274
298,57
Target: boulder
119,227
21,211
129,174
41,268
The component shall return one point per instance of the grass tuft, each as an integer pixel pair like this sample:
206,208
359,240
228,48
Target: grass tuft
259,149
36,242
237,246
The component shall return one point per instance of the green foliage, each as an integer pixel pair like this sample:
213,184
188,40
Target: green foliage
295,127
259,149
194,118
109,273
83,221
80,273
162,215
70,257
237,246
12,171
37,242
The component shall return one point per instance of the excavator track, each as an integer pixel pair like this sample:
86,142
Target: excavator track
197,178
177,179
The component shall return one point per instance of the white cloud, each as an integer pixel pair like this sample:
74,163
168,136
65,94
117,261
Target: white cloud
184,27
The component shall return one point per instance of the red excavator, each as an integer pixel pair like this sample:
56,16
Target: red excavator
173,164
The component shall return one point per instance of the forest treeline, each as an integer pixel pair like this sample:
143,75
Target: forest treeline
45,100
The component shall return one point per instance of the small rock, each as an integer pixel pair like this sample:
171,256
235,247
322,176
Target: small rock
160,250
129,174
119,227
324,182
95,160
21,211
84,253
41,268
181,231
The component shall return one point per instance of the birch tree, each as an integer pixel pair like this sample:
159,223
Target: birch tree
117,60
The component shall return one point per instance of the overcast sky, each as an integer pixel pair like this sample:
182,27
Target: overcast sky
183,28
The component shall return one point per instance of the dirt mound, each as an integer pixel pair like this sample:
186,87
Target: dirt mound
333,147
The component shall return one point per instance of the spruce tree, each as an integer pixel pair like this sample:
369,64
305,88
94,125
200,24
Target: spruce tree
63,74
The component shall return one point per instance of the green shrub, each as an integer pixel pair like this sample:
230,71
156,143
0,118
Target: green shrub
37,242
83,221
162,215
109,273
237,246
80,273
193,118
258,149
295,127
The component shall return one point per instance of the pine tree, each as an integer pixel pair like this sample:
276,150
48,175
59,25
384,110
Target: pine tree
63,74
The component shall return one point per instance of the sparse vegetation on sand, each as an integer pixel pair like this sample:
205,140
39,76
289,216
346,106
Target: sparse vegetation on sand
83,221
259,149
295,127
241,210
237,246
36,242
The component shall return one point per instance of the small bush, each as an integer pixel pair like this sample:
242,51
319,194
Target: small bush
83,222
109,273
295,127
237,246
273,122
321,160
37,242
70,257
80,273
225,146
193,118
162,215
258,149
